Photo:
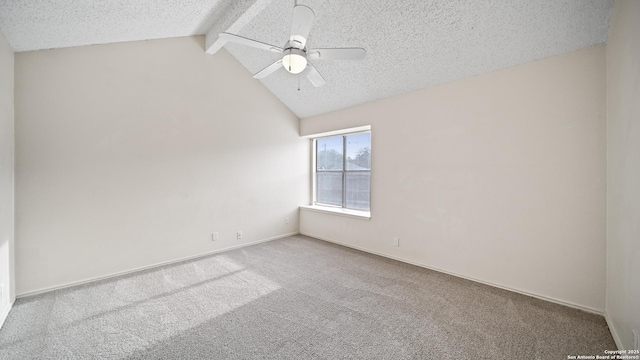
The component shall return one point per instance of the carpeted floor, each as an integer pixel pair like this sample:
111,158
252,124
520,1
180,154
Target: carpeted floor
295,298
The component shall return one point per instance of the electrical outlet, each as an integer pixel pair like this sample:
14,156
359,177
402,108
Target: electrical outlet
286,220
239,235
396,241
636,339
214,237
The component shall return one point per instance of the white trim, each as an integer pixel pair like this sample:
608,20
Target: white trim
313,170
541,297
192,257
613,331
5,313
339,132
362,215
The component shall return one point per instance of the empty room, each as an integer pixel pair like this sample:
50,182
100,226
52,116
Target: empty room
282,179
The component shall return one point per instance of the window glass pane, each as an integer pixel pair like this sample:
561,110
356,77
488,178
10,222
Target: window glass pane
329,188
357,188
329,153
359,151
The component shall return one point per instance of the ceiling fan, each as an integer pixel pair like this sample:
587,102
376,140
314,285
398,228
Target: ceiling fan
296,56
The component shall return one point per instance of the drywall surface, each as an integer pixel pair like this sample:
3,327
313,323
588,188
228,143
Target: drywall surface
6,178
133,154
499,178
623,172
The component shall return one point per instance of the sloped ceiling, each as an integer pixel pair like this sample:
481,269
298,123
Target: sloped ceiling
411,44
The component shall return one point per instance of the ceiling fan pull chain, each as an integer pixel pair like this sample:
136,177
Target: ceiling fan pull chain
298,82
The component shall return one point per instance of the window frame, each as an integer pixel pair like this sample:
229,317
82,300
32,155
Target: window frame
344,171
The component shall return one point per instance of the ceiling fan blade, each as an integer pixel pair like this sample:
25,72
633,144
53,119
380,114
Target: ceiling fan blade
314,76
301,24
338,54
249,42
268,70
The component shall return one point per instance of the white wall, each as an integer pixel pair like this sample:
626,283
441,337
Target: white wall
499,178
6,178
623,171
132,154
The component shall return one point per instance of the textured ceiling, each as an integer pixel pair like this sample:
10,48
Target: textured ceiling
47,24
414,44
411,44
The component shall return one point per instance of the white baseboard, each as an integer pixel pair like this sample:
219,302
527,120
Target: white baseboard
614,333
5,313
542,297
98,278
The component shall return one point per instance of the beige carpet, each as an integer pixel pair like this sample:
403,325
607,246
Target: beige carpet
295,298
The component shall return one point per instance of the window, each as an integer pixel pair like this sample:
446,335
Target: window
343,171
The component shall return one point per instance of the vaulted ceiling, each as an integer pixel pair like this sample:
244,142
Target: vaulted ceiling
411,44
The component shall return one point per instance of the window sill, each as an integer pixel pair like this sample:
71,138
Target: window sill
362,215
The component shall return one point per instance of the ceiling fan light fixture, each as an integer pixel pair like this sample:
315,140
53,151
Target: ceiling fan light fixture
295,52
294,61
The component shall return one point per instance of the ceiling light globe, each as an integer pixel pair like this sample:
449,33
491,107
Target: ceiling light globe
294,63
